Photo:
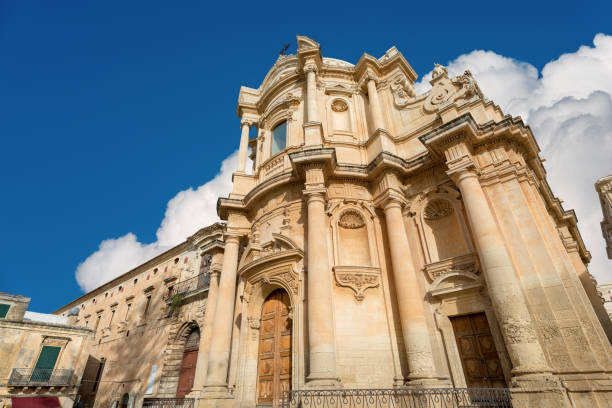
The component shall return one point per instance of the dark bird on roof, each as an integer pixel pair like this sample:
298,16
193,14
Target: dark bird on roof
285,48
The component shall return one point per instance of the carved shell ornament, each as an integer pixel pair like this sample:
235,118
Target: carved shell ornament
351,220
339,105
437,209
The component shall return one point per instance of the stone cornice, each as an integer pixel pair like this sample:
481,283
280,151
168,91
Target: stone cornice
56,328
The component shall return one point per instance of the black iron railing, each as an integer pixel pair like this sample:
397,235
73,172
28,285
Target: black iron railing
399,398
168,403
40,377
186,287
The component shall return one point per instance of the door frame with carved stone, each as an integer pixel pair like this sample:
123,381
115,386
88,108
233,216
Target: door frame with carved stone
264,268
273,350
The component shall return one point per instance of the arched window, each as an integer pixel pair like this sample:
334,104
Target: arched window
279,138
125,400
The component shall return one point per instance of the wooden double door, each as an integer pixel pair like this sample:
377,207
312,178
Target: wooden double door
274,361
480,360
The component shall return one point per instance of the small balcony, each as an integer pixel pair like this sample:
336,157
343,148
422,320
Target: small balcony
39,377
188,287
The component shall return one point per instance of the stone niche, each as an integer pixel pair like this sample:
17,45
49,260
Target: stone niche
441,225
355,262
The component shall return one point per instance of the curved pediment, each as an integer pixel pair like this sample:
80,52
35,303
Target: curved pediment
284,66
279,249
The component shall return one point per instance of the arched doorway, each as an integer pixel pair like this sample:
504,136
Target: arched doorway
274,359
188,366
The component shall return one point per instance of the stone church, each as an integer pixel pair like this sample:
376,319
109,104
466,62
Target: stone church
383,239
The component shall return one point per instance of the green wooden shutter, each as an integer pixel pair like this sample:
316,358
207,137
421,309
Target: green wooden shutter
4,310
44,365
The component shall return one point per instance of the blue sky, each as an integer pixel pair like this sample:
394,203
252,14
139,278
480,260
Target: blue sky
109,109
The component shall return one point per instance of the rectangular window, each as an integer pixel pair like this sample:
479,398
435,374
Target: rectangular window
45,364
146,311
4,310
111,318
279,138
97,322
127,312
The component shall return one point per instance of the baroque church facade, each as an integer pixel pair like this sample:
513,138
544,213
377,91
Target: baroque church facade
383,239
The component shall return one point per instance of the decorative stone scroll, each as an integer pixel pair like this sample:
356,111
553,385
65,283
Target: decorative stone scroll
358,279
403,92
446,90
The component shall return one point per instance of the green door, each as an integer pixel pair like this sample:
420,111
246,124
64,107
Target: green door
44,365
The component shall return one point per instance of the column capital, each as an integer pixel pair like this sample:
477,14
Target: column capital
461,168
232,237
310,66
315,194
215,273
248,122
390,198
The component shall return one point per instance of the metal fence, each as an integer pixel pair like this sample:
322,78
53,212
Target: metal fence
202,281
399,398
168,403
40,376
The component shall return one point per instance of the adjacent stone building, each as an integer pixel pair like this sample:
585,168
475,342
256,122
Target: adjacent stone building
144,321
42,357
382,239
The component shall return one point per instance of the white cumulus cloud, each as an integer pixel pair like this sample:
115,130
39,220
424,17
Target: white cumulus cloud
568,106
187,212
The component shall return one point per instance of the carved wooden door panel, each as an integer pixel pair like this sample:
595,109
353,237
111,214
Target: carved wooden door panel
274,362
479,357
187,375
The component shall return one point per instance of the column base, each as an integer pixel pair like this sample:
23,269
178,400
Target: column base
538,390
398,382
322,382
428,382
216,391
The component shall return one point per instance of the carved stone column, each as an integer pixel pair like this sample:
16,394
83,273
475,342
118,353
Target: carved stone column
421,364
218,358
320,310
503,285
311,93
244,145
206,333
375,108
